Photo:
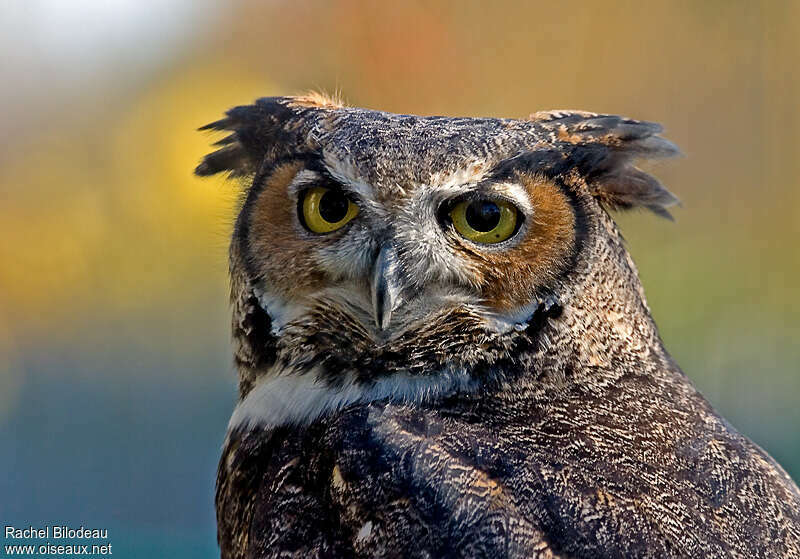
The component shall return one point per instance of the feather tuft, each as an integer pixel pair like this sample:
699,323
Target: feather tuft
604,149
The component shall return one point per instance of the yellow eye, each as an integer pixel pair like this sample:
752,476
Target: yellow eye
485,221
325,210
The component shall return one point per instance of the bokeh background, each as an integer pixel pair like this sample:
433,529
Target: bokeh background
115,375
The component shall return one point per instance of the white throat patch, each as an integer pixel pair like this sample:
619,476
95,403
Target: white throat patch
291,398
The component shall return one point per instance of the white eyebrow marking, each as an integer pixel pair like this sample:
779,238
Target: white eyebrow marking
302,179
345,173
474,176
515,192
472,173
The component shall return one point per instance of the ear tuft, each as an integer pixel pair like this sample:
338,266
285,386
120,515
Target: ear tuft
269,128
604,149
628,187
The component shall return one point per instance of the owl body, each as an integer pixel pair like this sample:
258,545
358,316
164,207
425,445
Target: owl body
445,350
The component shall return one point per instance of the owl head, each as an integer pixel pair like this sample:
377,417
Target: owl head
379,255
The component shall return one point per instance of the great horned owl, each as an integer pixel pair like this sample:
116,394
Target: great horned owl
445,350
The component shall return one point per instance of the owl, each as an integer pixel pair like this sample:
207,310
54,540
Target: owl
444,349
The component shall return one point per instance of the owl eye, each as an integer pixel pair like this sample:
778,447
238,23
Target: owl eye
324,210
484,220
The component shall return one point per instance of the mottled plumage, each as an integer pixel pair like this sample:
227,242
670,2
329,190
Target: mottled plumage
406,391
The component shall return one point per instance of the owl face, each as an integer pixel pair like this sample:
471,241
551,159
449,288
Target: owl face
401,256
322,241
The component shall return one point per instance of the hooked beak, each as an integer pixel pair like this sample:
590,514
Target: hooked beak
385,286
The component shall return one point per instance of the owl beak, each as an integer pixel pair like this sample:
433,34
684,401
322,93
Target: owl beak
385,286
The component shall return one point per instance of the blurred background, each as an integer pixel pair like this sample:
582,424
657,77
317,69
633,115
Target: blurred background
115,373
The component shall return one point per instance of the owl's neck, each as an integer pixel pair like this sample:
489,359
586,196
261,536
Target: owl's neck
606,329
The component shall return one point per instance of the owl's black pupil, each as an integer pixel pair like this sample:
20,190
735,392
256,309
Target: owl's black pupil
483,215
333,206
